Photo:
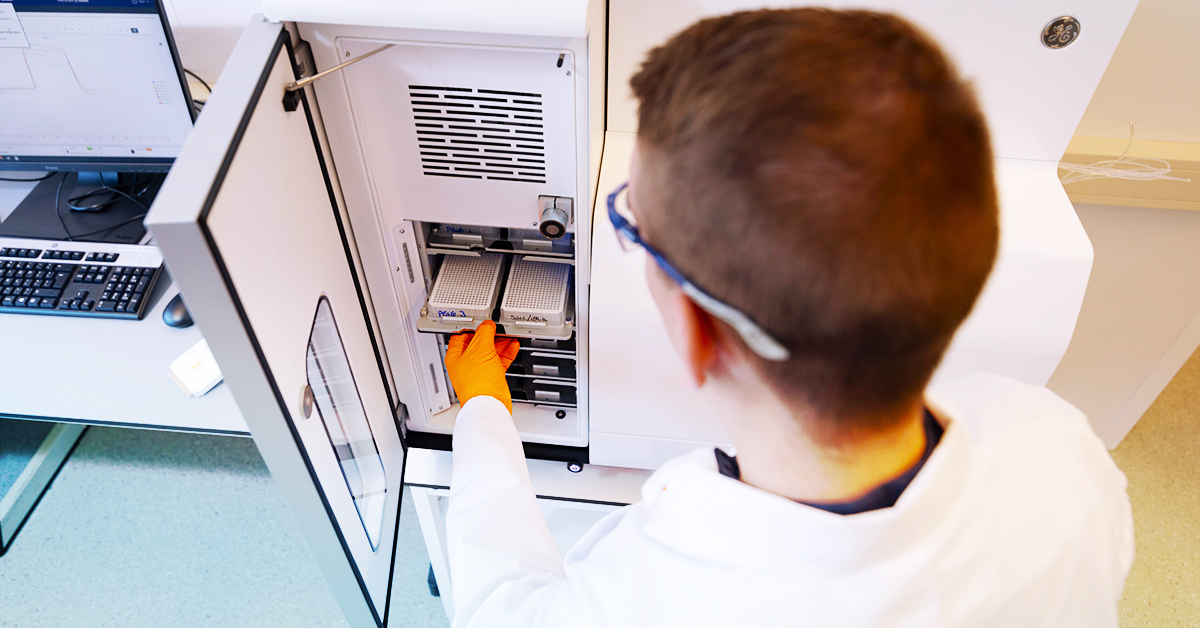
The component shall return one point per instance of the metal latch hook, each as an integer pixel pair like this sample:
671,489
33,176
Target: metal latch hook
296,85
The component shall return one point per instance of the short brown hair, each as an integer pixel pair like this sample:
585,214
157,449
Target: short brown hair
829,174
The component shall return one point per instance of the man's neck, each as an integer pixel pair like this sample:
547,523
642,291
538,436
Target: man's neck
778,451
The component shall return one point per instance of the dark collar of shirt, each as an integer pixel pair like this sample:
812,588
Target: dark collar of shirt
882,496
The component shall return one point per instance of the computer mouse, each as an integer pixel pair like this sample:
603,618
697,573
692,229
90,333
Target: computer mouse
176,314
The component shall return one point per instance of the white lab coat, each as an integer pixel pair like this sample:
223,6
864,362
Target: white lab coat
1019,518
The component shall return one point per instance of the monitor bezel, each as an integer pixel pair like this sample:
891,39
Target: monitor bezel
43,163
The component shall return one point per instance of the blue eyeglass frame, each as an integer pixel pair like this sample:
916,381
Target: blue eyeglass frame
755,337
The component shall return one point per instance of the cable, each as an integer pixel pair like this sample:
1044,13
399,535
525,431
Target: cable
42,178
104,187
103,205
1128,168
58,209
196,102
111,227
130,197
197,77
145,188
94,207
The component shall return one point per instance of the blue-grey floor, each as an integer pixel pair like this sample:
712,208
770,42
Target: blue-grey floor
148,528
19,440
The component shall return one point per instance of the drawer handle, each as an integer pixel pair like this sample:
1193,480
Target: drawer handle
556,356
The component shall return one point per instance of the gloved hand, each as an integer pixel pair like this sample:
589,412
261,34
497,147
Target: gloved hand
477,361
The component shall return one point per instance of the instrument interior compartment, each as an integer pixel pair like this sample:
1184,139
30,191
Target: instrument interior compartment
525,283
517,278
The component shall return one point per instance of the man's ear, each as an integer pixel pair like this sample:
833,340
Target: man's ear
691,329
700,334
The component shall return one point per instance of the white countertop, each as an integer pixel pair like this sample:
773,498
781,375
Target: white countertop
103,371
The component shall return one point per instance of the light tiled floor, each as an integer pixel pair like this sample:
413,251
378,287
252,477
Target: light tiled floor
144,528
1161,459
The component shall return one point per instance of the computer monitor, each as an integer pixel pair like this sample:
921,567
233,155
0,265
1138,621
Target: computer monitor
90,85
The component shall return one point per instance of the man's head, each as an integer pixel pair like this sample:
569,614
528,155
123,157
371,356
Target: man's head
828,174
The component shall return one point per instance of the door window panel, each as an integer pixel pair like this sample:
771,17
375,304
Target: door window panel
340,409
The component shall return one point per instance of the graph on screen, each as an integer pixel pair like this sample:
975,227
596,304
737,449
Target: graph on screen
88,84
46,62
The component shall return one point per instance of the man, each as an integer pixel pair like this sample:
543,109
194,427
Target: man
814,192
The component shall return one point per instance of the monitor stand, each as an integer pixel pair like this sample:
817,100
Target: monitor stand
119,221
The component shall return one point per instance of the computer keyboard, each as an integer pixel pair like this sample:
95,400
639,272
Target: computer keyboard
92,279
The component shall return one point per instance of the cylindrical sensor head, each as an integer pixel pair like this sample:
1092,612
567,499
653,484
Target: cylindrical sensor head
554,222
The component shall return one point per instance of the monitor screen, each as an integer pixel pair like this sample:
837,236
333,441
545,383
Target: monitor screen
90,85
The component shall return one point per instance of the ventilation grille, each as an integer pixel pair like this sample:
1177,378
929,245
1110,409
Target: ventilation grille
536,291
467,283
479,133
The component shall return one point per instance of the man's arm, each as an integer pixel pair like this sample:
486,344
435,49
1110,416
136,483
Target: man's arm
499,544
498,540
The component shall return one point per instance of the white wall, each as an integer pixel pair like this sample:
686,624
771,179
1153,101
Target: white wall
1140,319
1154,76
206,30
1032,96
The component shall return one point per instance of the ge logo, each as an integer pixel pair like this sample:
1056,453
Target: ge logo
1060,32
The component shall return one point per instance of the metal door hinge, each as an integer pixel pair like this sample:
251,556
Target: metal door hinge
303,65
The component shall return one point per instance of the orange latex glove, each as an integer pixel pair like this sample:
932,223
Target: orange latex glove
477,361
